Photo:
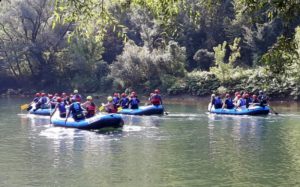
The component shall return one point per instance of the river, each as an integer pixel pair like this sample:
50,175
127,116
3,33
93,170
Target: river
188,147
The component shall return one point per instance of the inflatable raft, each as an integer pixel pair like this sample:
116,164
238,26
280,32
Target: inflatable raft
42,112
252,110
144,110
99,121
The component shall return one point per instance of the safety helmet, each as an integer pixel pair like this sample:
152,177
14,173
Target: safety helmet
89,97
109,98
43,94
156,91
50,96
37,94
116,94
59,99
254,96
123,95
75,92
237,93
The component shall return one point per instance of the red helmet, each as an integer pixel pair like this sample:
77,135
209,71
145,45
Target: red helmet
59,99
156,91
123,95
227,95
254,96
43,94
50,96
37,94
116,94
237,93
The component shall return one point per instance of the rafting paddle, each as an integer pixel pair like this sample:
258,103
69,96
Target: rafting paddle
276,113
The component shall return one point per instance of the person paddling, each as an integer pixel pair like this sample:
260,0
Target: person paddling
134,101
76,111
61,106
124,101
90,107
228,104
155,98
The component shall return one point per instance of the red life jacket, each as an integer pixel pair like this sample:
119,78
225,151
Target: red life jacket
155,99
91,108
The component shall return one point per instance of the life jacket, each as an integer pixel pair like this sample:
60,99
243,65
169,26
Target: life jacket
242,102
91,109
77,111
229,103
124,102
77,97
218,102
44,100
116,100
62,107
134,101
156,99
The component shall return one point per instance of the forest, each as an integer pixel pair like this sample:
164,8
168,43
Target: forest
194,47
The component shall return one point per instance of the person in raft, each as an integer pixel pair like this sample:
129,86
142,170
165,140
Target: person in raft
156,99
109,106
43,102
76,96
263,99
61,106
124,101
255,100
216,101
90,107
134,101
76,110
241,102
228,104
34,101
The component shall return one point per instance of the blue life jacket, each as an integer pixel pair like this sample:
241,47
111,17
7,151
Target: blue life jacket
62,107
229,103
76,108
44,100
134,101
124,102
116,100
242,102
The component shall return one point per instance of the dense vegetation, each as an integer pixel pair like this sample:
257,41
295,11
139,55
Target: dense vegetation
181,46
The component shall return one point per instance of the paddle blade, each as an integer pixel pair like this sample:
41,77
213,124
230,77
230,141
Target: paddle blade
101,108
119,109
24,107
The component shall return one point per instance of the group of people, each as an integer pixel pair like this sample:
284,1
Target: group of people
241,100
88,109
122,101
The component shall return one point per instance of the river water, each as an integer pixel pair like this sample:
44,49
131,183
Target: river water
188,147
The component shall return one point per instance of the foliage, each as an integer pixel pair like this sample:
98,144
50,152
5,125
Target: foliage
138,66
